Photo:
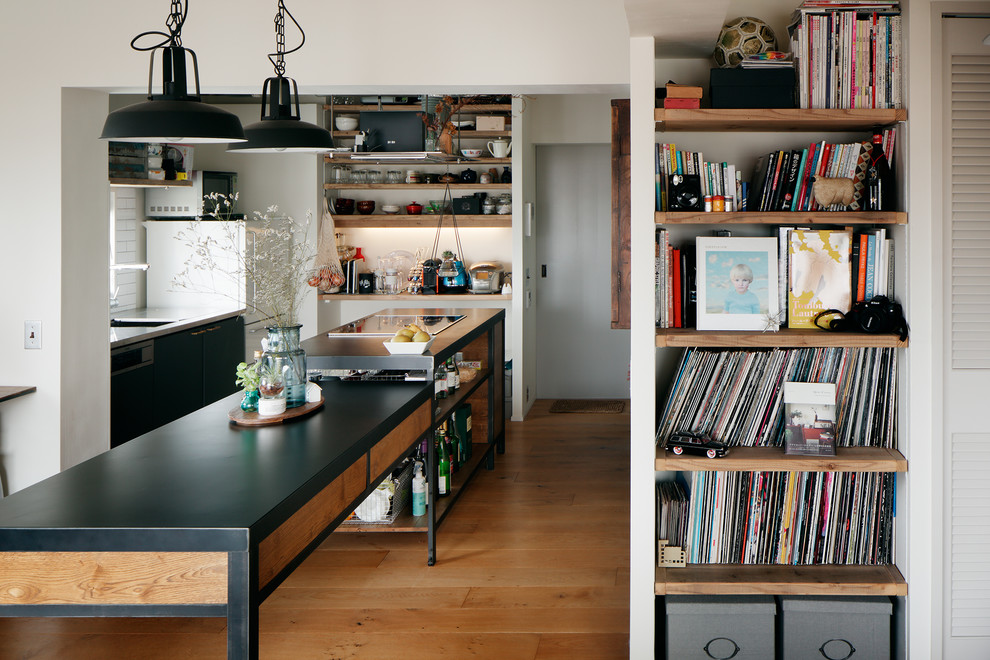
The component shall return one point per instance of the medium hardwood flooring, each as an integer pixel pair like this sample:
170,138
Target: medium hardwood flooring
532,564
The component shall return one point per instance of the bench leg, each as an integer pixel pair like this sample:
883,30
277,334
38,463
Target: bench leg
242,608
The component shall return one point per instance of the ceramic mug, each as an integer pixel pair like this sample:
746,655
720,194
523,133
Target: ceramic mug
500,148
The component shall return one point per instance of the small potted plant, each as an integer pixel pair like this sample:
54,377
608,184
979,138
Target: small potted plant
247,378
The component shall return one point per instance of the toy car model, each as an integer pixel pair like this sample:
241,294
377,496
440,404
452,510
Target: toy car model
700,443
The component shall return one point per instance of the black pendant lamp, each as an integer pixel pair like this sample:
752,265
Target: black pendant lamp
281,129
174,115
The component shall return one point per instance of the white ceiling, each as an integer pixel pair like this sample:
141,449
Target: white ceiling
682,28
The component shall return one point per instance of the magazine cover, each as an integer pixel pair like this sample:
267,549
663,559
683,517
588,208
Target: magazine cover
736,282
809,419
820,275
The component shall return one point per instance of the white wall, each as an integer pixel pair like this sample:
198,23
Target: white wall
540,47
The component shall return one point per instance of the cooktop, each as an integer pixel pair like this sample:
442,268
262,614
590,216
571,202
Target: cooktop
385,325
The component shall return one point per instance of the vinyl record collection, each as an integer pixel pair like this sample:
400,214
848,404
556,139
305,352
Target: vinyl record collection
672,514
786,517
736,396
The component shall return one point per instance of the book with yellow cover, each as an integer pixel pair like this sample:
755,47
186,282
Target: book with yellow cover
820,275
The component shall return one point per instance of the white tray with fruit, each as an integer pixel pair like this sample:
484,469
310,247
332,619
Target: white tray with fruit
410,340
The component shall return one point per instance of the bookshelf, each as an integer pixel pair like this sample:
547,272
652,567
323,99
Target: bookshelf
853,579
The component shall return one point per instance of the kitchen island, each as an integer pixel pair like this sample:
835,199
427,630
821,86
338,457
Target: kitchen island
200,518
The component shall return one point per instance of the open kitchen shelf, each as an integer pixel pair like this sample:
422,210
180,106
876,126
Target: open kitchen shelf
430,220
773,459
470,109
8,392
824,580
418,298
345,158
417,186
785,338
148,183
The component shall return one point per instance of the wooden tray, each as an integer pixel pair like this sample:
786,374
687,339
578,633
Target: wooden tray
241,418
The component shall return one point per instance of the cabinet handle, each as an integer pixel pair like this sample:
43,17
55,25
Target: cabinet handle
216,327
201,332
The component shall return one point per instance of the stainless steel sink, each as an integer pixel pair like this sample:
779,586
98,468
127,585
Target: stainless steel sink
137,323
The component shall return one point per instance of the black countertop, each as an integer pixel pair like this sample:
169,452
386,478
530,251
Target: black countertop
202,484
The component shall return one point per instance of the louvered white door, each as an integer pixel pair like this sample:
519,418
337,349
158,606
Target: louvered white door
966,118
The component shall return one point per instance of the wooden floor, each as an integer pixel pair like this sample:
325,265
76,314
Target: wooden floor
533,563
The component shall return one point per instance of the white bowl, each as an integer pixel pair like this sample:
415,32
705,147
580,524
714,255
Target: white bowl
390,208
344,123
408,347
471,153
463,123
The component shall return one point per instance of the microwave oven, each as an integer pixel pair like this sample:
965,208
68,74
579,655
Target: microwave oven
189,201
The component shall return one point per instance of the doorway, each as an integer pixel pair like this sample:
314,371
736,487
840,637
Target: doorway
578,354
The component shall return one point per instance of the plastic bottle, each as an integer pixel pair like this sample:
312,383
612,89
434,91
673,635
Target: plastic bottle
418,490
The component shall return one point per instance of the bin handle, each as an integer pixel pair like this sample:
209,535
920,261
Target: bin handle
735,650
849,652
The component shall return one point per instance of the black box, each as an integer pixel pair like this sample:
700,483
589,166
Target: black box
752,88
467,205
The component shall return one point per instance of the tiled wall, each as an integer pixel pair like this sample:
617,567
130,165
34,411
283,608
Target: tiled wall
129,250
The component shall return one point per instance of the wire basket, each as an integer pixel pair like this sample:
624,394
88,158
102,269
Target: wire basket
396,488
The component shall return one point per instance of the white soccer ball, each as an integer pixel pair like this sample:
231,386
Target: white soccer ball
741,37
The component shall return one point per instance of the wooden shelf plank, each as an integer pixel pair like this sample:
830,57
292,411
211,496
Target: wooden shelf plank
782,218
777,120
149,183
773,459
406,521
481,135
416,186
824,580
470,109
420,299
688,337
459,160
8,392
385,220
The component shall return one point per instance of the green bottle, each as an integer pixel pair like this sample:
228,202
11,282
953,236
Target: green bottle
443,467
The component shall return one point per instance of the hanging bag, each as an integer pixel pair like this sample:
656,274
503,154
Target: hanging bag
327,276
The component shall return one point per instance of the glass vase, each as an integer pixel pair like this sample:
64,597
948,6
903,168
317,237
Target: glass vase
284,355
249,402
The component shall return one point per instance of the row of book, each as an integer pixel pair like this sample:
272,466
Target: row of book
736,396
788,518
672,510
717,180
783,180
817,269
848,53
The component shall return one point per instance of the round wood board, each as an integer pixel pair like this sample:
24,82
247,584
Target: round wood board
241,418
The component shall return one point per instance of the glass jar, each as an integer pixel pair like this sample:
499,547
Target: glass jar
503,205
488,206
283,355
374,176
340,174
394,176
359,176
271,386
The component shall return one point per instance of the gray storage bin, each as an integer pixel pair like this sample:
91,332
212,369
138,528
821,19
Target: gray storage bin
837,627
722,627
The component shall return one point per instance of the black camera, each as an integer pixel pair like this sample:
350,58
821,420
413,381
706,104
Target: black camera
684,192
878,315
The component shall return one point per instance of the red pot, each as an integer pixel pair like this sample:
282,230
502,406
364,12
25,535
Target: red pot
414,209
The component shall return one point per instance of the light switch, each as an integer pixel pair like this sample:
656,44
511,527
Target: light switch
32,334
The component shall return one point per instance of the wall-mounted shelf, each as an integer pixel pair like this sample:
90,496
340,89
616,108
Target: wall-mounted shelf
417,186
773,459
785,338
470,109
385,220
782,218
459,160
776,120
825,580
148,183
420,299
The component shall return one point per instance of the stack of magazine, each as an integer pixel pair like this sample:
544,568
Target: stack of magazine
791,518
736,396
672,512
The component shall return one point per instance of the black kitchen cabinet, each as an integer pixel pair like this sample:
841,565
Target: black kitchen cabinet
131,382
223,350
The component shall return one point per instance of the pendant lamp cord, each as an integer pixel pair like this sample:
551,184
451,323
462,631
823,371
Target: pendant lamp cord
278,57
176,18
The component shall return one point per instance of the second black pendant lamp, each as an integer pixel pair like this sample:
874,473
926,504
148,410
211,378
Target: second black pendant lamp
281,129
